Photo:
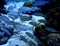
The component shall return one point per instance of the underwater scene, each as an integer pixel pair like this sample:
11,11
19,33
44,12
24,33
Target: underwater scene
29,22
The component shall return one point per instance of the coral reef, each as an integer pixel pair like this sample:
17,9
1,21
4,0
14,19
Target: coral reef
29,23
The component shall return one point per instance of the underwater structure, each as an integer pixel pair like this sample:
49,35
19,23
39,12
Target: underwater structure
29,23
